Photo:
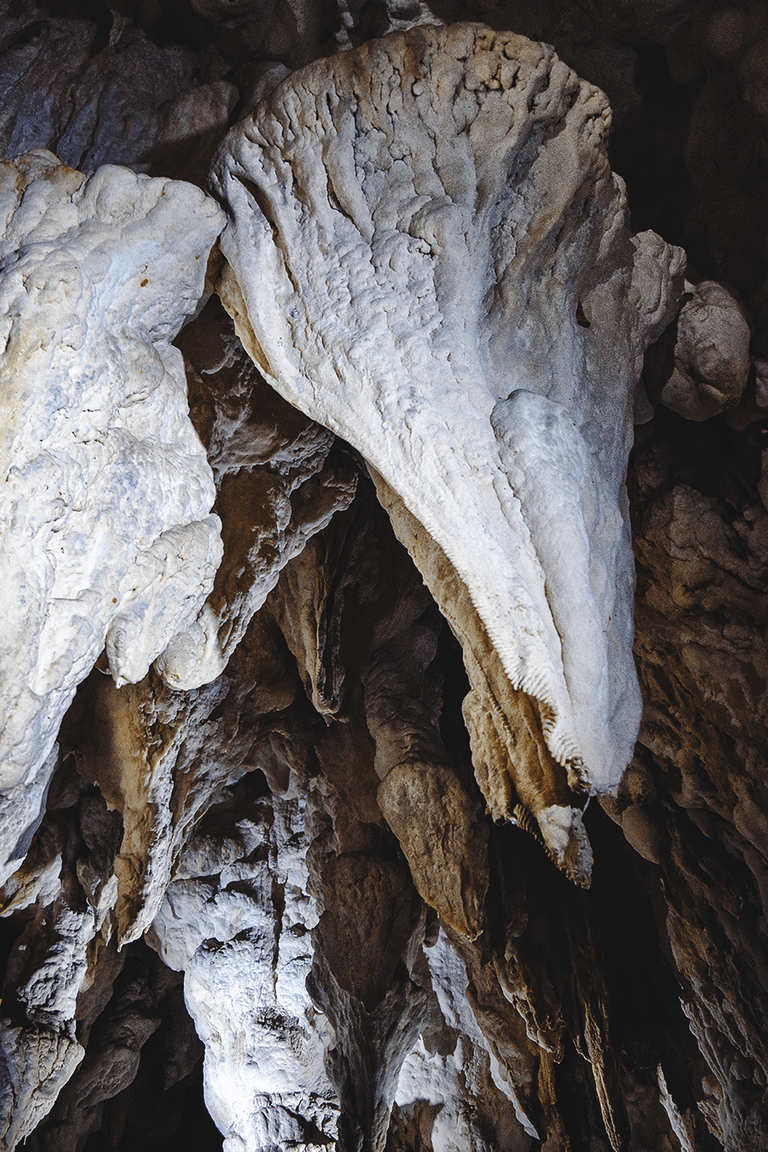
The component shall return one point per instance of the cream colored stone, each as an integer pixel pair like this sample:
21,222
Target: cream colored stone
106,535
445,840
39,1054
428,254
34,1066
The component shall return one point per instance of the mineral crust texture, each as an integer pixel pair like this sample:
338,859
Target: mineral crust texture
339,807
107,536
429,254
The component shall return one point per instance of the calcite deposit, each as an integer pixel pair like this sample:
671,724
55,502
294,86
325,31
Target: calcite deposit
325,818
426,252
107,537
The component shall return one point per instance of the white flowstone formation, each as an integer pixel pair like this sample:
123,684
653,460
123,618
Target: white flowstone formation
429,255
237,920
106,536
457,1080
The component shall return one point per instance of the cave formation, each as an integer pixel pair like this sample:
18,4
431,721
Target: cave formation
384,395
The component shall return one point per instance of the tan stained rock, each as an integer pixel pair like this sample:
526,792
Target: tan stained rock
444,838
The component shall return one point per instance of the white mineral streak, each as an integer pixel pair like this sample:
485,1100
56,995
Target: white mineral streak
21,808
37,1058
290,497
200,654
238,922
429,255
105,531
453,1080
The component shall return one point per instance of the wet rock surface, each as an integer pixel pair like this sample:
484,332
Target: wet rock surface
256,899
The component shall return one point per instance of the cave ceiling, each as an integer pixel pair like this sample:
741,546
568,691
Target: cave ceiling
383,566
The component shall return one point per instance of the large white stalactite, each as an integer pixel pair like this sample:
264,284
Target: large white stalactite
429,254
106,535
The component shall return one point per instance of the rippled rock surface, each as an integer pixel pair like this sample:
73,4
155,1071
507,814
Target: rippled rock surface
285,886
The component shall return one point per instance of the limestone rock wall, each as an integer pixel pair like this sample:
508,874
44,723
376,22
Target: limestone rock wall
294,883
